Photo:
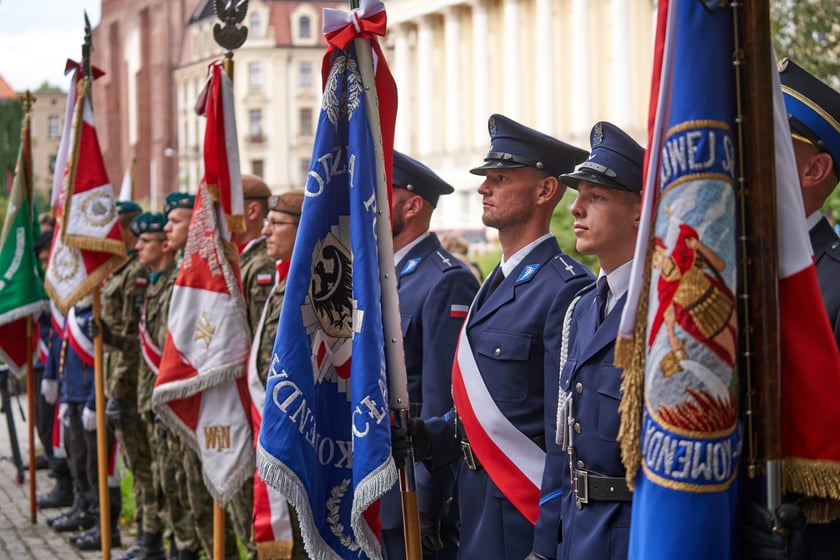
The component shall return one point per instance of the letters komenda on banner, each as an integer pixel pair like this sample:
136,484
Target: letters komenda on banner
684,454
325,436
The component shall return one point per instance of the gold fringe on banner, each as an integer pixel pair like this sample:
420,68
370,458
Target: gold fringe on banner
630,354
274,550
819,481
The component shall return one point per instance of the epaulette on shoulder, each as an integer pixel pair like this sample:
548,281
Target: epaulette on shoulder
568,267
445,261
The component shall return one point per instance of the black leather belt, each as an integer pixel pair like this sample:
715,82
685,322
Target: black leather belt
589,486
472,461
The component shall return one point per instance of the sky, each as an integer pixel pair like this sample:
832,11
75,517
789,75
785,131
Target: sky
37,37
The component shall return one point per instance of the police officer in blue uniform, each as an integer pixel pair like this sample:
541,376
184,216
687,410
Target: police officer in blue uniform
512,334
585,505
435,292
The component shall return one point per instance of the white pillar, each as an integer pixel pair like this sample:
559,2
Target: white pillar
581,92
425,87
512,58
480,74
452,76
402,75
546,114
621,101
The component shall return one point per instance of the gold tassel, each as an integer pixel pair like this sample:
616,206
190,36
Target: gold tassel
630,355
274,550
819,481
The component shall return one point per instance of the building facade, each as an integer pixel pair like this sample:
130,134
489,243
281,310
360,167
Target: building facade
47,122
556,65
277,90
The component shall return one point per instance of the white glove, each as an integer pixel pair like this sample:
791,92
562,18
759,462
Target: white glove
88,420
49,389
64,414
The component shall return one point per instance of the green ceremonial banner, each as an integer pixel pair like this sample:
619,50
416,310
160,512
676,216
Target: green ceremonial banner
21,283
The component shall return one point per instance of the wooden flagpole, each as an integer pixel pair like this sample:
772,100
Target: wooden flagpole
394,350
28,99
102,454
30,394
230,36
759,243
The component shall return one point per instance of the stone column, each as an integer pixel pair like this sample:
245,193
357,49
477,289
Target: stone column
480,74
512,58
545,96
581,91
402,75
454,120
425,87
621,101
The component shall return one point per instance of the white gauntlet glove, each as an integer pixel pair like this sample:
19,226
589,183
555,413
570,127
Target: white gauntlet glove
88,420
49,389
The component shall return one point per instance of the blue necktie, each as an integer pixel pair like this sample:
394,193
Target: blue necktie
601,295
493,283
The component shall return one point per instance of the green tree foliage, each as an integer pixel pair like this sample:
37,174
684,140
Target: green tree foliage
808,32
562,226
11,118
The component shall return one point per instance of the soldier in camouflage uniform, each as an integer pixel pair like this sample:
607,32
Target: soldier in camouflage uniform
161,269
183,482
257,270
279,231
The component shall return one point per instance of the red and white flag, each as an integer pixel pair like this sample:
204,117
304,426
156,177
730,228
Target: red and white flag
810,360
87,244
201,390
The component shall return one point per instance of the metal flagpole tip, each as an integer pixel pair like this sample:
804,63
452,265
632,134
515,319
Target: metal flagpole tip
232,13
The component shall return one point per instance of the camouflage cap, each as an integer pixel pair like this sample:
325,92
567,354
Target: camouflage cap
254,187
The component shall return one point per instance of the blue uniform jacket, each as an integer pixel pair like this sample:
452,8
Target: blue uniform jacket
601,529
430,282
514,336
827,254
77,382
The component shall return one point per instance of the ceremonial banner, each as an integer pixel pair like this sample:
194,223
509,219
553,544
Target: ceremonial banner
87,245
325,438
21,283
201,390
680,318
810,360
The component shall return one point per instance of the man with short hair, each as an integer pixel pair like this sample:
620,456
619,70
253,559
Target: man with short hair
590,517
435,291
506,360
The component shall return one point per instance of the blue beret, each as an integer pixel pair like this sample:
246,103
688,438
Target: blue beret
411,175
148,222
813,109
178,200
616,160
515,145
127,207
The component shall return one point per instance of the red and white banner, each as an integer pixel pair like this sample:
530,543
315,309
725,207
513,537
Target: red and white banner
810,360
272,523
87,244
511,459
201,388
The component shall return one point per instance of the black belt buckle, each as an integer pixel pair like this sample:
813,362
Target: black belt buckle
469,456
581,480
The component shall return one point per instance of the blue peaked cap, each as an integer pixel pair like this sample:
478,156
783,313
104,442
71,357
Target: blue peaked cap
813,109
515,145
616,160
413,176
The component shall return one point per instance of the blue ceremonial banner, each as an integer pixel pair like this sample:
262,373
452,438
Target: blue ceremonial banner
689,440
325,436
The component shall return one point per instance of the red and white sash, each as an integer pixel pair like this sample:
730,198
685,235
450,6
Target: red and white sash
78,339
513,462
151,353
